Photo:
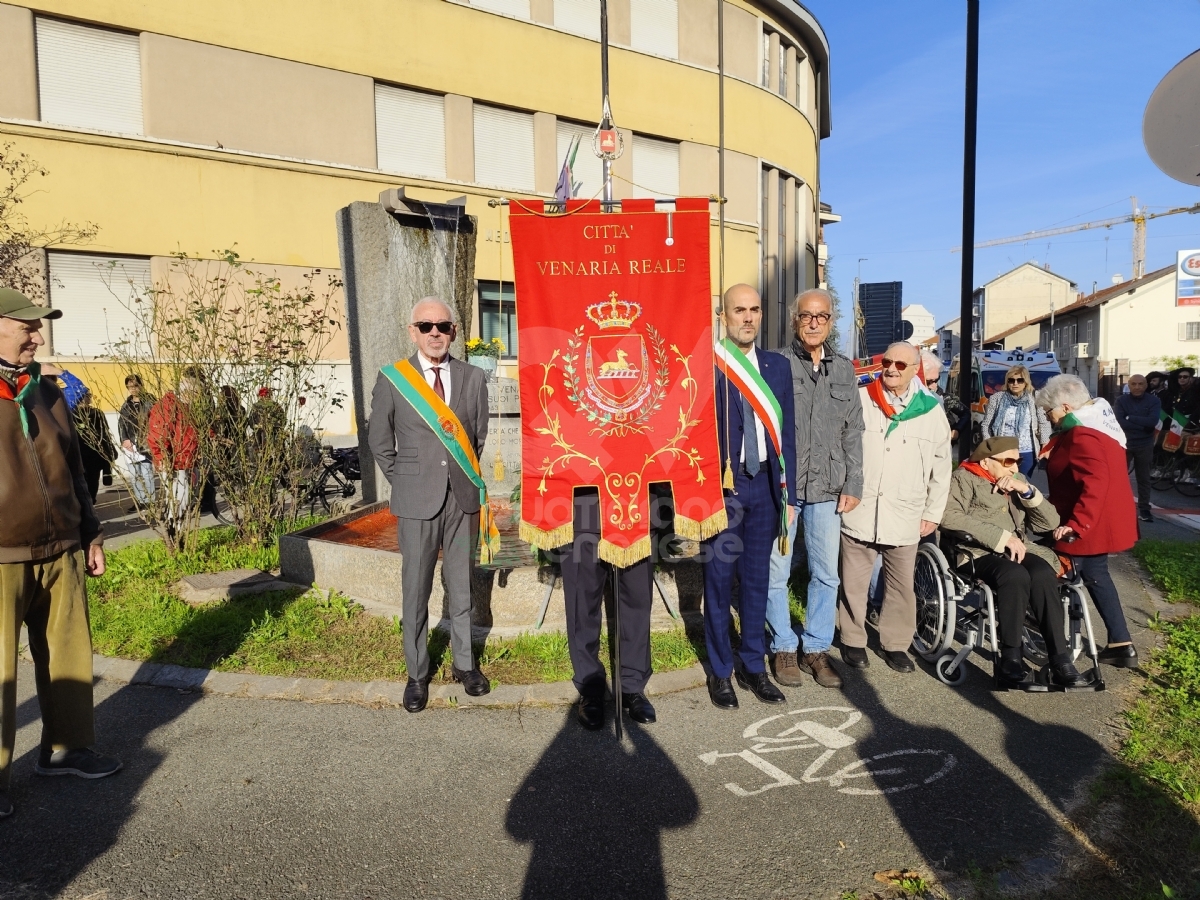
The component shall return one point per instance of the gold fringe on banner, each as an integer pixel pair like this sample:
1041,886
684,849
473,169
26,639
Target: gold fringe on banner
624,557
547,540
702,530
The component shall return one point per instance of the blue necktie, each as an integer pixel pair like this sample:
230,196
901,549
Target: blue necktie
749,438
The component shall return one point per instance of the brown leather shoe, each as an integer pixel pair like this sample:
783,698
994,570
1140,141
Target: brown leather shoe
820,667
787,672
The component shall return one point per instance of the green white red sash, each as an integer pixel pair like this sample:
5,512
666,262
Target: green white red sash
922,402
445,424
27,383
745,376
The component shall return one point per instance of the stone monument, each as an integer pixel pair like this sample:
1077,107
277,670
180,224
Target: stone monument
394,253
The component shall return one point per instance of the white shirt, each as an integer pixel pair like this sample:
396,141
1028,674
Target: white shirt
900,401
427,368
752,355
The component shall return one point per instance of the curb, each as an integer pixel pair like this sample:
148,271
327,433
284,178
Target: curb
379,694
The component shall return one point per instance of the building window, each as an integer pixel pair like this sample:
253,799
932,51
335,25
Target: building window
655,167
1189,331
580,17
504,148
97,295
801,79
588,170
654,27
498,315
518,9
89,77
410,132
766,58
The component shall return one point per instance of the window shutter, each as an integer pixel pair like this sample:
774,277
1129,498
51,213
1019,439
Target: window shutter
580,17
655,168
654,27
504,148
410,131
96,297
518,9
588,168
89,77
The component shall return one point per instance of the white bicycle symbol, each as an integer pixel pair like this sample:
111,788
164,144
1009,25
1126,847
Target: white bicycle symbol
807,734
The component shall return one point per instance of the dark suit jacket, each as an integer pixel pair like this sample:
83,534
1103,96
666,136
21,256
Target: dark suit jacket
414,460
777,373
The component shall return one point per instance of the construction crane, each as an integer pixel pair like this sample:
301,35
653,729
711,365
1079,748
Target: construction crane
1138,217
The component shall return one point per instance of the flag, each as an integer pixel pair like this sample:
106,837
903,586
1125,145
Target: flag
1174,439
567,187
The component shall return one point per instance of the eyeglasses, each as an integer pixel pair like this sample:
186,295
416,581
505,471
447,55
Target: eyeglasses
900,364
931,381
1007,461
820,318
1016,381
442,327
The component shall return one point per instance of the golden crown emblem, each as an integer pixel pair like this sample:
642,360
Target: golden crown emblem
614,313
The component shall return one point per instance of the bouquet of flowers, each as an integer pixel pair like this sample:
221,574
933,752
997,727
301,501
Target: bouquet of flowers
479,347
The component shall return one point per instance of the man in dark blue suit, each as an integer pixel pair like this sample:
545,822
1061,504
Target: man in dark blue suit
755,507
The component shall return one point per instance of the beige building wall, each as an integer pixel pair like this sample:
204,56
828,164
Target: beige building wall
1143,326
460,138
18,64
210,95
743,36
545,152
742,180
698,32
699,174
1024,293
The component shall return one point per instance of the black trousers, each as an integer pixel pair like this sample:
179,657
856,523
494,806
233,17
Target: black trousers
584,577
1030,584
1142,457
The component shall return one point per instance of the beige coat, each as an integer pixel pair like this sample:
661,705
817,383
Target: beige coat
906,477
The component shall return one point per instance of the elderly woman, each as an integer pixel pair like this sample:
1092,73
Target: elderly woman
1089,486
1012,413
992,514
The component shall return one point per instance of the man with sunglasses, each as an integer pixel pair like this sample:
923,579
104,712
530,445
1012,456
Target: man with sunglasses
906,477
829,422
434,498
992,512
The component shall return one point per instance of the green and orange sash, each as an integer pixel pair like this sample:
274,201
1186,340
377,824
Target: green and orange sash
27,383
445,424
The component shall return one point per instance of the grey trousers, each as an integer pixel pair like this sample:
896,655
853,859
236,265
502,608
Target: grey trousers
898,616
456,533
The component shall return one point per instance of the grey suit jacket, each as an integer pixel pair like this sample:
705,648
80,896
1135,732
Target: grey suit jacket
414,460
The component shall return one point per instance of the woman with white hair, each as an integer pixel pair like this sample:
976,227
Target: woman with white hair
1012,413
1089,486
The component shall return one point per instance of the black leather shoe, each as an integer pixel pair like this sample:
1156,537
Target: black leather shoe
1146,517
416,695
1066,675
759,684
721,693
1011,674
590,712
899,661
855,657
1123,657
473,682
639,708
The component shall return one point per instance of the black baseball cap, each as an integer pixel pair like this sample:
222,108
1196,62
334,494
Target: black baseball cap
15,305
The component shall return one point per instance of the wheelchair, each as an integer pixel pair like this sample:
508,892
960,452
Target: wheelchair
953,607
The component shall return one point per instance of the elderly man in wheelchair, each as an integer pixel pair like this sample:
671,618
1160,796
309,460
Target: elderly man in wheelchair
990,515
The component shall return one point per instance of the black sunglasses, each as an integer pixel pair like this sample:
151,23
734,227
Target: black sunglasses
442,327
1016,381
900,364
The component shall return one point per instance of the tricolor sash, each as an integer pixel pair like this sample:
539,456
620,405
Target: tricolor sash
445,424
922,402
745,376
27,383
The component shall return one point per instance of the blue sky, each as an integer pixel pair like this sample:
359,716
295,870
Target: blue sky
1063,85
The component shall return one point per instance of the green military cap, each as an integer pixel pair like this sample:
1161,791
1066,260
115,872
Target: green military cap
15,305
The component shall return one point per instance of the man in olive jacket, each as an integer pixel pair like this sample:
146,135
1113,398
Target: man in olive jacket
829,478
49,539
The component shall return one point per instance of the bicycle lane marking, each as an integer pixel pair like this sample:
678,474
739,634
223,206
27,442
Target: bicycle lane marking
808,734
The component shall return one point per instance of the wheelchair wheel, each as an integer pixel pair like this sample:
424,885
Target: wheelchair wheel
1033,647
935,608
1162,475
953,679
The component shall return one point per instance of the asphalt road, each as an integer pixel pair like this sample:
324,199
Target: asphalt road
227,798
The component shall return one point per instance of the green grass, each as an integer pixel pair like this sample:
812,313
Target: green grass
1174,566
136,614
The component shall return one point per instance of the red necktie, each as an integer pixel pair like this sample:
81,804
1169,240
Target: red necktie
437,383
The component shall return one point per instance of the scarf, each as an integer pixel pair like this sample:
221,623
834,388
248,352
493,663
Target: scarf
25,382
921,403
1097,415
1024,405
976,469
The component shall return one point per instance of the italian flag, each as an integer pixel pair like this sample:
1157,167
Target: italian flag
1174,424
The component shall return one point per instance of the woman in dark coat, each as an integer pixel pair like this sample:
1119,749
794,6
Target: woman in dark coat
1089,486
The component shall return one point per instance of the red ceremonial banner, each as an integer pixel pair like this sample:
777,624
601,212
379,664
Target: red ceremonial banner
616,370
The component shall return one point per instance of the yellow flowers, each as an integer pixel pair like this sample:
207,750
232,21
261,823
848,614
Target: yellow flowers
480,347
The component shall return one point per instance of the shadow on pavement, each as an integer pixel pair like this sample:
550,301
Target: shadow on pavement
61,825
977,813
594,813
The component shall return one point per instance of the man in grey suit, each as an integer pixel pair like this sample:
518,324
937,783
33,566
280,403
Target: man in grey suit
436,503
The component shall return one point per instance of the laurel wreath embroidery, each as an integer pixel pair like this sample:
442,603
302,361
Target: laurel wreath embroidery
606,423
624,489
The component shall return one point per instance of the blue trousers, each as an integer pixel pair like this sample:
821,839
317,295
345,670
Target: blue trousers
822,540
1028,463
744,547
